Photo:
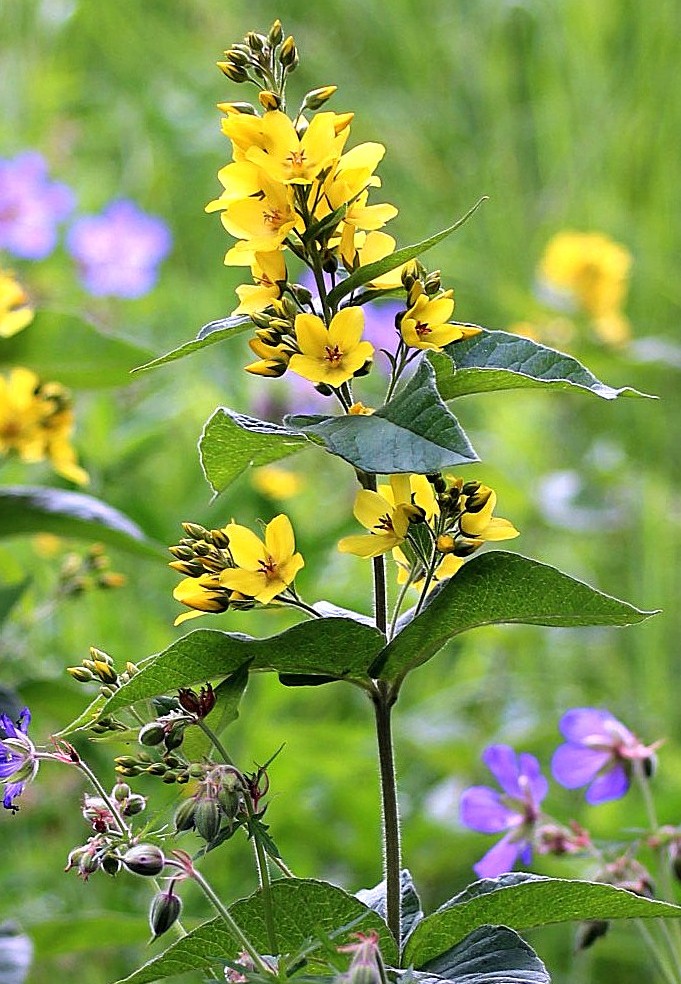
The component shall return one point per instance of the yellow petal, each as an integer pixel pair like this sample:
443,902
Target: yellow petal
346,328
370,507
279,539
246,549
366,545
311,334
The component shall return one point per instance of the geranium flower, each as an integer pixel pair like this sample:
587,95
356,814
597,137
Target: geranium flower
330,355
31,206
515,809
18,757
599,753
263,569
386,518
15,311
118,252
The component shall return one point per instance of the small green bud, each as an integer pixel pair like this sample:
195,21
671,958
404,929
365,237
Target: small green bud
134,805
184,815
207,819
120,792
151,734
145,859
80,673
288,54
156,769
165,910
275,34
316,98
111,864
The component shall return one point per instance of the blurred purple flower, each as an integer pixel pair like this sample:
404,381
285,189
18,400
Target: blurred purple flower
118,251
18,758
598,753
515,809
31,206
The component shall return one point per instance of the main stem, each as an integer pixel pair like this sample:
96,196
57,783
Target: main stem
392,863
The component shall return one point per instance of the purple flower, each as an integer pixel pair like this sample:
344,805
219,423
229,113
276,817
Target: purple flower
31,206
18,757
515,809
118,251
598,753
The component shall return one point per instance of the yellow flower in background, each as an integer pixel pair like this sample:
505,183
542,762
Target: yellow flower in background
330,355
591,271
263,569
277,483
36,423
448,567
424,324
269,272
15,311
386,517
421,494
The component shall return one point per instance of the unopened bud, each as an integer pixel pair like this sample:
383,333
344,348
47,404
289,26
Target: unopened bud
174,736
101,656
207,819
269,100
184,815
243,108
80,673
151,734
275,34
445,543
144,859
256,42
165,910
288,54
590,931
105,672
111,864
235,73
194,531
120,792
317,97
133,805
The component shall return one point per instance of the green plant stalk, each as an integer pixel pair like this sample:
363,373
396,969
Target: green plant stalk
384,699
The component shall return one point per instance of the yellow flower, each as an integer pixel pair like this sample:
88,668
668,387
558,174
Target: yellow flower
202,594
330,355
590,269
263,569
421,494
273,359
269,272
286,156
424,324
385,516
277,483
478,524
15,312
36,422
376,246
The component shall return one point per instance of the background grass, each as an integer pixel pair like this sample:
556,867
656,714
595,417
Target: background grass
568,115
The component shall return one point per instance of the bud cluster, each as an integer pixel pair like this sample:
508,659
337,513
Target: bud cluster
202,554
88,572
264,59
100,666
465,510
217,808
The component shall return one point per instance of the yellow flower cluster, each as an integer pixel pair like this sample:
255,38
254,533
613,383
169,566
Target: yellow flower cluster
591,272
36,423
429,524
233,568
15,310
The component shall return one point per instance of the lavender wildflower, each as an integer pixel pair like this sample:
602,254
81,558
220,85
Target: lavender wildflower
18,757
31,206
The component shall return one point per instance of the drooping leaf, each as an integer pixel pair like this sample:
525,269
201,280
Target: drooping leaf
32,509
489,955
414,432
302,909
521,902
63,348
498,587
411,912
365,274
337,647
498,360
9,596
214,331
232,442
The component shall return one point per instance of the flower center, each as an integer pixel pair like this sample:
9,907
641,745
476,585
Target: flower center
423,328
385,524
296,161
333,355
268,567
272,218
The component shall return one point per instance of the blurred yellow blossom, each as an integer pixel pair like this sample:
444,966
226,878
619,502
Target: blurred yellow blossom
36,422
15,311
277,483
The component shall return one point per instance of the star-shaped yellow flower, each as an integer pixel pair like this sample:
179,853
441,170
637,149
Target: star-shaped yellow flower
291,158
424,325
330,355
263,569
386,518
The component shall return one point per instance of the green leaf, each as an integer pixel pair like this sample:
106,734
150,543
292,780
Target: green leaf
86,719
523,902
214,331
410,912
63,348
303,910
232,442
32,509
372,270
9,596
498,587
485,956
336,647
497,360
414,432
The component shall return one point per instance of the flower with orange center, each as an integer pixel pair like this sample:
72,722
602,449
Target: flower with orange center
330,355
263,569
424,324
289,157
385,517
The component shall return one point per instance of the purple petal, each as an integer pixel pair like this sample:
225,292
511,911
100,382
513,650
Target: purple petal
530,768
502,762
24,720
499,858
481,809
574,766
611,785
12,791
584,722
7,726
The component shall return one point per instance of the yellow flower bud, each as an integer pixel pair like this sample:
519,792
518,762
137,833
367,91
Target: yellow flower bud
269,100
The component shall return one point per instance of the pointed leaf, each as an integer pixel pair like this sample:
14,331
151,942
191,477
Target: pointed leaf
363,275
411,912
499,587
214,331
497,360
232,442
523,903
28,509
63,348
302,909
337,647
488,955
414,432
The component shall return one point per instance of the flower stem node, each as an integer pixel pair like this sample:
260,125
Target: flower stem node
144,859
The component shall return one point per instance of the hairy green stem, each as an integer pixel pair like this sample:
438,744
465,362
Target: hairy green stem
263,877
392,863
215,741
233,927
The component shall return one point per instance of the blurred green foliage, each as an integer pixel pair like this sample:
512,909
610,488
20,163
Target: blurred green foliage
568,115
